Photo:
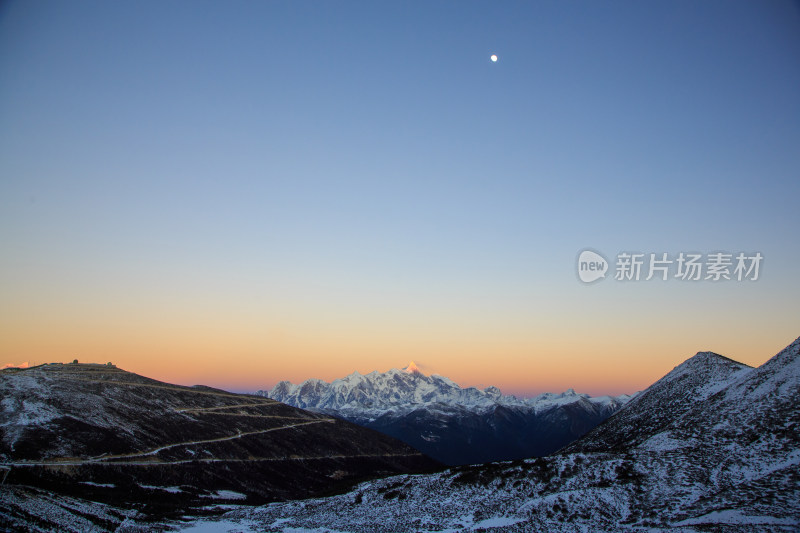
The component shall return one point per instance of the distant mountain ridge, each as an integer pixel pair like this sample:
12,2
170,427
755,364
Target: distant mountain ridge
407,389
452,424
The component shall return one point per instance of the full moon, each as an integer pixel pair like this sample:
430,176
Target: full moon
493,58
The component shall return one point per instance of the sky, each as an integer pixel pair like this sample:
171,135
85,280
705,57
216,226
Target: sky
237,193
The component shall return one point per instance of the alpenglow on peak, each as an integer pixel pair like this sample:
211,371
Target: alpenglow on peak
412,368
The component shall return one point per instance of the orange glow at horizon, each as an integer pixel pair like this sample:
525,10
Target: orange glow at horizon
235,354
547,340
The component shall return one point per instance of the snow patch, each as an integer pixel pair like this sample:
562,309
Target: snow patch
171,490
222,526
104,485
227,495
499,521
733,516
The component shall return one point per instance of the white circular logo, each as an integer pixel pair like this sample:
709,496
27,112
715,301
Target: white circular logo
591,266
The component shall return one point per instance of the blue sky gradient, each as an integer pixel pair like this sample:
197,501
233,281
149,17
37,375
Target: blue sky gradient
199,173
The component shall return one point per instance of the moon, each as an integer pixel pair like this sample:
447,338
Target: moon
493,58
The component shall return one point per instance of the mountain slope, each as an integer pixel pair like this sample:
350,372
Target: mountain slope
452,424
117,437
662,403
727,458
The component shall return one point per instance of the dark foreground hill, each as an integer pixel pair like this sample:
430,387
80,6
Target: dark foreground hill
103,434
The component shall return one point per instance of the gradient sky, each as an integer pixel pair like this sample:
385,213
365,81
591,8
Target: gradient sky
234,193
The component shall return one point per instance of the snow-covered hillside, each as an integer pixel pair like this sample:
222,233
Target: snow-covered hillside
726,458
664,402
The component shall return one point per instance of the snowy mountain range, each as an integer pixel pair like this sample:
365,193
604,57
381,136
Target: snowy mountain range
712,446
404,390
452,424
